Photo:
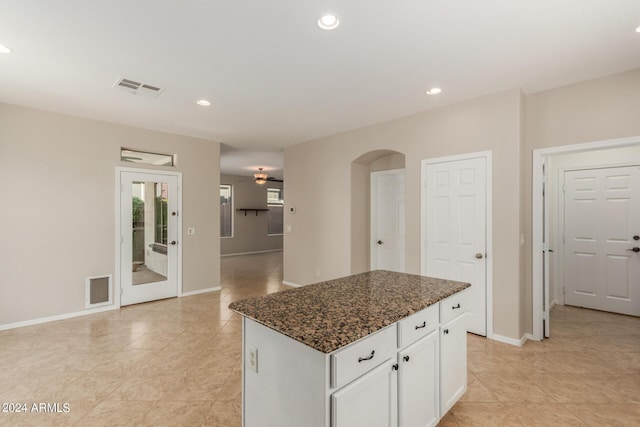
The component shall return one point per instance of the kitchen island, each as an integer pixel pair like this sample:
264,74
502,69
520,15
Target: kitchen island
373,349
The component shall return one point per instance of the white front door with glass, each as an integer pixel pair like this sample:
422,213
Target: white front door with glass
149,236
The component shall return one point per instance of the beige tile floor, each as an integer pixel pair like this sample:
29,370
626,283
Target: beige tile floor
177,362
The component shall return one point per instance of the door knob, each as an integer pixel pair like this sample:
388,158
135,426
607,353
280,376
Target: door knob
635,249
379,242
479,255
173,242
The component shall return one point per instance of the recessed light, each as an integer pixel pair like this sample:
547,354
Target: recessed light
329,22
4,49
637,29
203,102
434,91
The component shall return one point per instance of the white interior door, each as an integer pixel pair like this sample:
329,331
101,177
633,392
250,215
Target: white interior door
601,230
456,222
149,236
388,220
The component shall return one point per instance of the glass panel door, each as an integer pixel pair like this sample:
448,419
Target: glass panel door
149,230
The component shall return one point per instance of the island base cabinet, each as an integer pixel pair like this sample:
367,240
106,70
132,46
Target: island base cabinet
453,362
418,383
369,401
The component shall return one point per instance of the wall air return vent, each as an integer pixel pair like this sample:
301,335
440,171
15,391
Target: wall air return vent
138,88
98,291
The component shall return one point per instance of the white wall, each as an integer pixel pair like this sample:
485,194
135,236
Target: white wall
57,180
250,231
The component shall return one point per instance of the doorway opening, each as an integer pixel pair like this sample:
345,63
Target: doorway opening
363,239
561,180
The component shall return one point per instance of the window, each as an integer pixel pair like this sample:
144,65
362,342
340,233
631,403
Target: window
147,158
161,212
226,211
275,202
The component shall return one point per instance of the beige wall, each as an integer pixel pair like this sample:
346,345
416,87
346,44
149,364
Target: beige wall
250,231
57,180
319,246
595,110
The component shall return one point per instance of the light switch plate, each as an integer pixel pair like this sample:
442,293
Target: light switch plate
191,230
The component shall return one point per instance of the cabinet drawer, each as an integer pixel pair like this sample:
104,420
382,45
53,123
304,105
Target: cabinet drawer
363,355
417,325
453,306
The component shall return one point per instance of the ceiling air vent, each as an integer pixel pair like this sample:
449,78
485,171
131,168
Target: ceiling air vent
138,88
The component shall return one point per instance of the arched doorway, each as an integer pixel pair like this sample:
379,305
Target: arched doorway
381,165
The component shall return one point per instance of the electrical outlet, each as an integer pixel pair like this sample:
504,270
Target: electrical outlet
252,361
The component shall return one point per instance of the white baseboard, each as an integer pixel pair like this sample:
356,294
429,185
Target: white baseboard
201,291
295,285
57,317
48,319
512,341
552,304
252,253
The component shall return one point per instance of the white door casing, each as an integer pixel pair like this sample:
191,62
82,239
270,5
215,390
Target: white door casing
388,220
537,240
167,276
601,218
455,228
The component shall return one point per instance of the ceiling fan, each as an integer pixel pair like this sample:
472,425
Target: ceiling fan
261,177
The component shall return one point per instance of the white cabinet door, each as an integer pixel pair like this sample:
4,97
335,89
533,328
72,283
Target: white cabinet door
453,362
369,401
418,383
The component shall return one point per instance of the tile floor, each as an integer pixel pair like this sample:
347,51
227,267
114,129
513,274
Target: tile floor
177,362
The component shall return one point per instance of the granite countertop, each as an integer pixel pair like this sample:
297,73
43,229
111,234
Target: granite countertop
329,315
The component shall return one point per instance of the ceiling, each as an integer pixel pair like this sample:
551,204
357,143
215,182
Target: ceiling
274,78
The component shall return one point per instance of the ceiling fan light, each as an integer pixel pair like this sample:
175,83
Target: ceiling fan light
260,177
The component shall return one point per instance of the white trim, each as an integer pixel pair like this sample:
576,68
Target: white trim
201,291
511,341
56,317
252,253
119,170
295,285
536,215
488,156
